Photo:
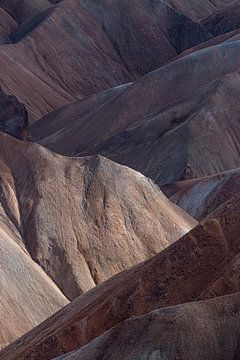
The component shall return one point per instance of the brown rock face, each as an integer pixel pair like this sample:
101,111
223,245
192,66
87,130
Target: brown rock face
188,270
189,331
85,219
156,127
13,117
77,48
200,197
96,262
28,295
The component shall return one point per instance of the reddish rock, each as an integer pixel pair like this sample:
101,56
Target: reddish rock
196,330
88,226
86,219
77,48
189,331
182,273
28,295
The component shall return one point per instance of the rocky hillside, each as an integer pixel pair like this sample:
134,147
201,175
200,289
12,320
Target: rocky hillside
81,220
119,180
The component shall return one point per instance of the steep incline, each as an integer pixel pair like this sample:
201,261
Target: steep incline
224,20
190,332
80,47
7,24
25,9
28,296
199,197
32,86
199,9
186,271
13,117
163,130
85,219
145,34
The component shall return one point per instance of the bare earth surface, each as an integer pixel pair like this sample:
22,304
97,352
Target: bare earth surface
199,197
210,329
82,220
186,271
162,130
119,180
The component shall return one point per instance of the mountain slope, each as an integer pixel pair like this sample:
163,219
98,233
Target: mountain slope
162,130
183,272
13,117
85,219
198,10
199,197
81,47
189,331
96,260
28,296
23,10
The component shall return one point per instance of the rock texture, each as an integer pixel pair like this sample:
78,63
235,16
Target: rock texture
116,89
76,48
196,9
162,130
191,331
13,117
25,9
223,21
28,295
85,219
184,272
199,197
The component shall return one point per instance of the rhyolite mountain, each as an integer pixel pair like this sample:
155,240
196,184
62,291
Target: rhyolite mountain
160,129
119,132
77,47
202,324
71,223
201,265
199,9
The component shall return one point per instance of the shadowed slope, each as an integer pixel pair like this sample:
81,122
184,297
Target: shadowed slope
25,9
145,34
199,197
163,130
224,20
182,273
7,24
203,330
83,47
198,9
32,86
